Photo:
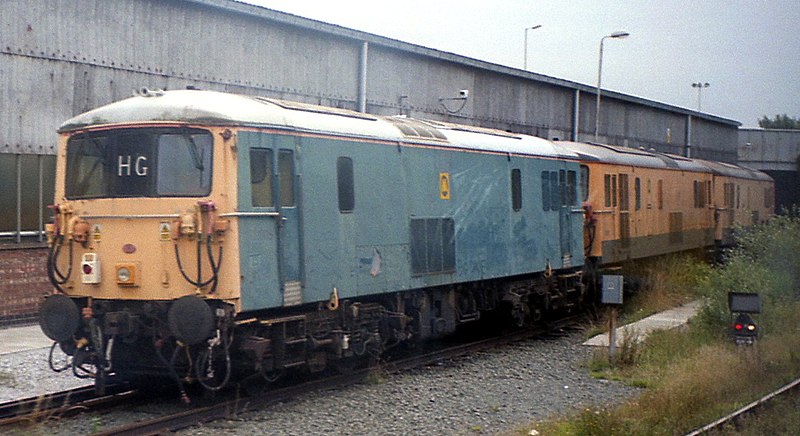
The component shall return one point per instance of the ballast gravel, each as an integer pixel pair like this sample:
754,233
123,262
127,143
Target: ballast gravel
486,393
490,392
25,374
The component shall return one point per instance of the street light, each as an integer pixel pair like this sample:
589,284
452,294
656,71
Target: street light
526,43
700,86
617,35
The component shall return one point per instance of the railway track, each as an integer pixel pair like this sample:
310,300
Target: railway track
238,405
751,408
64,403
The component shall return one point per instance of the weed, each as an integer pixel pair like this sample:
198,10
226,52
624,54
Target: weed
599,363
629,349
95,424
376,376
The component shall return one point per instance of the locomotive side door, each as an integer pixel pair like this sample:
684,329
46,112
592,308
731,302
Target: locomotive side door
289,220
568,189
624,212
269,221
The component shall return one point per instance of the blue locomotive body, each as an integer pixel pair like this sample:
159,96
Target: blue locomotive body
373,216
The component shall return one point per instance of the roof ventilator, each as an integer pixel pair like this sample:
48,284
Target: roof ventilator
144,92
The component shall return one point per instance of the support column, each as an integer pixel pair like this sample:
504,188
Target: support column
18,161
362,78
688,136
576,115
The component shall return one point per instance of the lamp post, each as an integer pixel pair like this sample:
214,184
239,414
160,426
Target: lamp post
616,35
526,43
700,86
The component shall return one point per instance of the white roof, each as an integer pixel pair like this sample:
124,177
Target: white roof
217,108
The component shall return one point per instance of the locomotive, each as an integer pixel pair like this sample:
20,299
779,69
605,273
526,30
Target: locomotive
200,234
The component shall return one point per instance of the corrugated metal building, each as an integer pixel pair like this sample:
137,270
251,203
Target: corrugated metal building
63,57
777,153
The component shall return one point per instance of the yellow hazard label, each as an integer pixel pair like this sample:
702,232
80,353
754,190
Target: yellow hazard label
164,230
444,186
96,236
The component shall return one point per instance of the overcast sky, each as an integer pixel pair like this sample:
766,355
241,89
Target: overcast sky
748,51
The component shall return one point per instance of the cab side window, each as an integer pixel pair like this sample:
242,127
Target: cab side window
261,177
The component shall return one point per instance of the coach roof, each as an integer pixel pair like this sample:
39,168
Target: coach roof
633,157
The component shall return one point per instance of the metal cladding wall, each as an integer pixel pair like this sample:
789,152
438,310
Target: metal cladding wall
777,153
770,149
59,58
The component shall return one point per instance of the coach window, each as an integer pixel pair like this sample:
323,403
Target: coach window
738,196
624,194
572,184
695,194
728,189
261,177
584,183
607,189
344,184
660,194
708,193
555,191
747,204
286,177
614,190
637,189
545,190
516,189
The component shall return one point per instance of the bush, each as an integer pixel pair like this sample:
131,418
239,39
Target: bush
766,260
697,376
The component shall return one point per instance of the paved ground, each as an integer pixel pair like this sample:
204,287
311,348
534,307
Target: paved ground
24,338
640,329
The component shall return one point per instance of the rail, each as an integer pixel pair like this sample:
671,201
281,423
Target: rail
752,407
70,401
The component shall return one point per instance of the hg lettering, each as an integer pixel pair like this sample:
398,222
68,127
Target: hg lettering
125,164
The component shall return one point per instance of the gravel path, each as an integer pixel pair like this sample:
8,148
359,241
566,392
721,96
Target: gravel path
486,393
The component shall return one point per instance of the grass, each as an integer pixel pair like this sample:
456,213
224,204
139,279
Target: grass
694,376
664,283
